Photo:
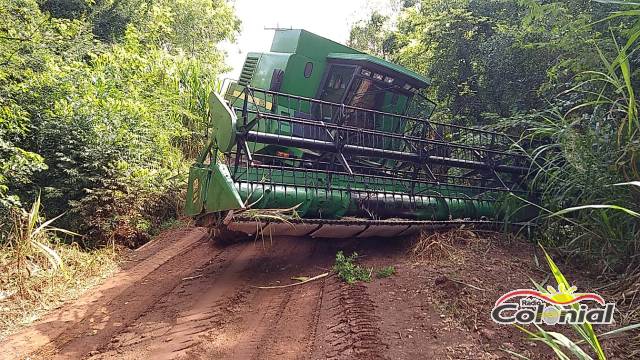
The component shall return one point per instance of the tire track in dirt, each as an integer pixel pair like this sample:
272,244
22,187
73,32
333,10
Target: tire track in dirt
349,324
292,335
259,330
289,327
93,331
265,324
46,337
178,322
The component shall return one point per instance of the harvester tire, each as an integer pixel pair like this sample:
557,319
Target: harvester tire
218,231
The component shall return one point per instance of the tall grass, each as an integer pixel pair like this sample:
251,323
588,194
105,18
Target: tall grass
28,240
583,145
37,272
585,151
583,343
195,87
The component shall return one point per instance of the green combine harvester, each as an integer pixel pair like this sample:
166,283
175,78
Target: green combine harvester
320,139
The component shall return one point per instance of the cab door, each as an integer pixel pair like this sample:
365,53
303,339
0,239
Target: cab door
333,90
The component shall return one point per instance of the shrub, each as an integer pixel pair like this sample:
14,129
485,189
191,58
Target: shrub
350,272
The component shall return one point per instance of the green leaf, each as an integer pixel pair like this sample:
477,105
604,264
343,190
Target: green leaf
557,274
614,207
572,346
618,2
619,331
633,183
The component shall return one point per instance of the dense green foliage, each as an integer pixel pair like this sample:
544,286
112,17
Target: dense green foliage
100,105
487,58
562,75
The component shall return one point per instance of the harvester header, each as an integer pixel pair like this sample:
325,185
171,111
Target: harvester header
319,139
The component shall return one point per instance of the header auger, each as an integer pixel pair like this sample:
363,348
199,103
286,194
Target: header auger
319,139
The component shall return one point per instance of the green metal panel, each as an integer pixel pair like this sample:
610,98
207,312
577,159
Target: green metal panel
196,189
285,41
223,123
264,71
289,189
334,204
296,83
302,42
318,47
222,194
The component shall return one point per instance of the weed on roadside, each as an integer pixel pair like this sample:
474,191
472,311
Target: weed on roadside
386,272
562,342
38,271
350,272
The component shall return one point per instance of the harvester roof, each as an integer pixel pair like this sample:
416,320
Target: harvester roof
313,46
372,61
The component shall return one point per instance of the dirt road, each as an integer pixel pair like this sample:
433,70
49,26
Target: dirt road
182,296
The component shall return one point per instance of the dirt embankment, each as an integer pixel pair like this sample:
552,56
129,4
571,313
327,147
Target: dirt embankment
182,296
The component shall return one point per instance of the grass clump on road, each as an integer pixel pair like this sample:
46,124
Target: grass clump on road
350,272
386,272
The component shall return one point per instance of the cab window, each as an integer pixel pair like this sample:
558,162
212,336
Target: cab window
333,90
337,82
368,94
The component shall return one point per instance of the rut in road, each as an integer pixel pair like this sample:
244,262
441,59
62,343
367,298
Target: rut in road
183,296
220,314
92,332
201,302
352,330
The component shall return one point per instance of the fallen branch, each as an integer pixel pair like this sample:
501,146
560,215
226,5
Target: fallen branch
192,277
294,284
6,294
469,285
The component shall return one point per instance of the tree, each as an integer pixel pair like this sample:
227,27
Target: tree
96,105
486,58
372,36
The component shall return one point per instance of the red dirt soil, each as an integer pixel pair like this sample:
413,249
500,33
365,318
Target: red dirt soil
184,297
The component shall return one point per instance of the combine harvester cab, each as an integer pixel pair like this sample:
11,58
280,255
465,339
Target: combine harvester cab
322,140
